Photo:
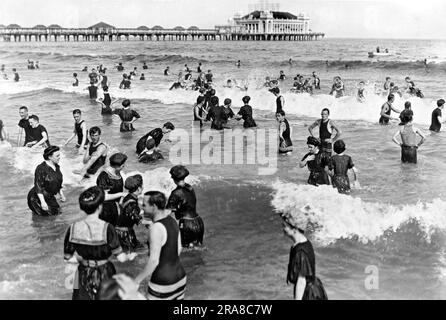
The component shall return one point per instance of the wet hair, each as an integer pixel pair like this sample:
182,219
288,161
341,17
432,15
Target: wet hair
407,105
91,199
281,112
390,97
23,108
179,172
339,146
440,102
75,74
133,183
275,90
14,70
157,199
246,99
202,90
227,102
214,101
117,160
326,109
77,111
387,78
212,92
407,78
108,290
105,88
206,86
95,130
126,103
49,152
361,82
91,82
169,125
200,99
34,117
313,141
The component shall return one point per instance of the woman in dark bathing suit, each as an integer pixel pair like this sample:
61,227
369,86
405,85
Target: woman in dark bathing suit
339,166
317,163
245,113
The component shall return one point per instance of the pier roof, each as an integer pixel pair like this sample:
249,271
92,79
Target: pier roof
102,25
2,26
54,26
157,28
13,26
178,28
39,26
193,28
276,15
143,28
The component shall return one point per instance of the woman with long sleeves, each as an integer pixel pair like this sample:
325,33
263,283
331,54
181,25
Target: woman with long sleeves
48,181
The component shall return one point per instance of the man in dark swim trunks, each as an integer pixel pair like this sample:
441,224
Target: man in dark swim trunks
92,90
24,126
80,131
437,117
386,109
326,127
94,159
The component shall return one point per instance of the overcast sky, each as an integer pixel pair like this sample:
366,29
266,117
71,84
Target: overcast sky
337,18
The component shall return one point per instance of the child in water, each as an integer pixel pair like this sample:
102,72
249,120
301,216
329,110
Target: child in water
339,166
360,95
76,80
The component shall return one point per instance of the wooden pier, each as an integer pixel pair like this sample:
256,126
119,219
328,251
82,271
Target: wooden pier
14,33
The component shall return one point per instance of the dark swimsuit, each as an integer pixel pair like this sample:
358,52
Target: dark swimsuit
183,203
383,120
126,116
340,165
286,136
112,184
129,217
246,113
107,102
80,135
279,106
47,182
325,134
318,175
99,162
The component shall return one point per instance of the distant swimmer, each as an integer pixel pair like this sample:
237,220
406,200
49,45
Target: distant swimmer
104,79
209,76
387,84
125,83
282,76
395,90
76,80
407,111
147,146
437,117
166,71
106,103
199,111
183,203
128,116
144,66
280,100
229,84
360,94
48,180
285,143
80,131
228,113
317,162
216,113
16,75
85,69
133,73
94,76
92,90
412,89
339,165
409,145
3,133
326,128
142,77
245,113
316,81
37,65
94,159
290,62
120,67
199,67
186,69
188,75
386,110
338,89
38,134
238,64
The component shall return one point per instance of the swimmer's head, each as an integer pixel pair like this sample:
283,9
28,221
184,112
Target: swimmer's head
387,78
77,113
23,112
280,115
407,79
275,91
314,142
168,127
228,81
91,200
212,92
95,134
124,75
52,153
75,74
117,161
126,103
14,70
91,82
105,89
227,102
362,83
133,183
179,173
407,105
246,99
202,90
391,97
153,202
214,101
325,113
339,146
440,103
34,121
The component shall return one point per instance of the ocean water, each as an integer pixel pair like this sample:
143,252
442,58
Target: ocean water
395,223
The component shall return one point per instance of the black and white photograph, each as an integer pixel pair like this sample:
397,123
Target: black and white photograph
222,150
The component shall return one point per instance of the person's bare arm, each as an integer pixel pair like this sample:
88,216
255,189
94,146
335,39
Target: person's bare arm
338,131
314,125
394,139
423,137
95,156
42,141
299,288
156,237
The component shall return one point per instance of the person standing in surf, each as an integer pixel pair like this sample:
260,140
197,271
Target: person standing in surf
339,165
317,162
409,145
94,159
386,110
285,143
245,113
80,130
326,127
437,117
280,100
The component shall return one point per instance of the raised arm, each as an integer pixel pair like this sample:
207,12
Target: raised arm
423,137
314,125
394,139
43,140
338,131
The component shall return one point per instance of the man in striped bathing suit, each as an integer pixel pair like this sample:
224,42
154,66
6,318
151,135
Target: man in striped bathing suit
167,278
